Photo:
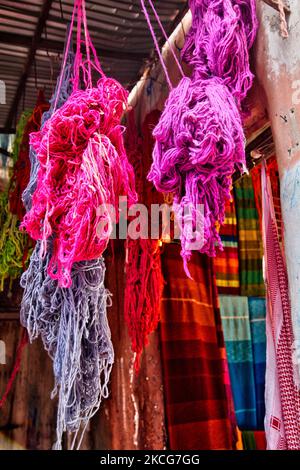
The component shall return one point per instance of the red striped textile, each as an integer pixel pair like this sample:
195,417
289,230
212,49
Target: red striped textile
198,399
226,263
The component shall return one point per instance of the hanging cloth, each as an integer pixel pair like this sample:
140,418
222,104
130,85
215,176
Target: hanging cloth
226,262
282,422
237,333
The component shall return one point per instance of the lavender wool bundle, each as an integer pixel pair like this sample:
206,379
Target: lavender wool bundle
219,40
199,139
72,322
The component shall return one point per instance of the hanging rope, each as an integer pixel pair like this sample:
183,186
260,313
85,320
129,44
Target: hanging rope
283,23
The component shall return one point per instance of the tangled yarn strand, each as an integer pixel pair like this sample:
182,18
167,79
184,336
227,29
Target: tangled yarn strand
87,123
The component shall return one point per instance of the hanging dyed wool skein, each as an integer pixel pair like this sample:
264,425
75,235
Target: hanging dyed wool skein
199,138
15,246
144,281
72,322
21,171
83,168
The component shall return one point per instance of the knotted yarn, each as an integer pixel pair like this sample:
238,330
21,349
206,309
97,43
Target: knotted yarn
20,129
73,326
15,246
72,322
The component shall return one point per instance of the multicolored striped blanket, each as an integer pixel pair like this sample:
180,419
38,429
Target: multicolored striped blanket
250,240
198,405
226,263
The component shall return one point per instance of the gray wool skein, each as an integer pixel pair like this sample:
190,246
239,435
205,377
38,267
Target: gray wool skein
71,322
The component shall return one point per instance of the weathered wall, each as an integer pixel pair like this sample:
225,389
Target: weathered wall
278,69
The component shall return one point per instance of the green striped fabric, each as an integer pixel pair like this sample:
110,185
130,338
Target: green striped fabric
250,239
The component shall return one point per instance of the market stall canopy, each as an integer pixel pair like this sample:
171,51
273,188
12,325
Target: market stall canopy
32,34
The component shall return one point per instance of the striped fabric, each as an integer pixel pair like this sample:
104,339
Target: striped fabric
237,334
254,440
226,263
194,361
282,422
250,243
272,171
257,314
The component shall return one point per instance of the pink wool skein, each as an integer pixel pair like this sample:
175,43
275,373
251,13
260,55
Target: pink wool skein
199,143
83,166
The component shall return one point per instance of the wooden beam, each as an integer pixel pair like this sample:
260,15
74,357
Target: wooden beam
58,46
274,4
180,15
30,58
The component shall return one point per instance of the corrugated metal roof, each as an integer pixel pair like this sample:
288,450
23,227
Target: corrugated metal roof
118,29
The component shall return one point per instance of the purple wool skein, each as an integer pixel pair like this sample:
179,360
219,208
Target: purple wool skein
199,140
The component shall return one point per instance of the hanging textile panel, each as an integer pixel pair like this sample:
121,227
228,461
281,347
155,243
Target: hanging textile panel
196,386
250,244
282,393
257,314
237,334
226,263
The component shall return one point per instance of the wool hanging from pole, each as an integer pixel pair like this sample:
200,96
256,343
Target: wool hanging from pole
71,322
199,138
15,246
